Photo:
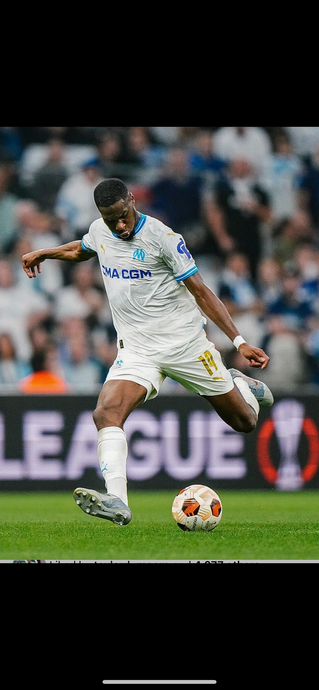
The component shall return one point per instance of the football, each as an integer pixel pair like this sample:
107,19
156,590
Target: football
197,508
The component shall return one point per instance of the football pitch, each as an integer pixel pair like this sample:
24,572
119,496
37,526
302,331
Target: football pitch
256,525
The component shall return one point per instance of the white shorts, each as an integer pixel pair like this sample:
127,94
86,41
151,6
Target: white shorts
198,367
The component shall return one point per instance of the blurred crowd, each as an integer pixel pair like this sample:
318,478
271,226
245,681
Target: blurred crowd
246,200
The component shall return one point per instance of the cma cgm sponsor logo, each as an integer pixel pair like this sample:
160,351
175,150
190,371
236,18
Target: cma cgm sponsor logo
288,446
183,447
125,273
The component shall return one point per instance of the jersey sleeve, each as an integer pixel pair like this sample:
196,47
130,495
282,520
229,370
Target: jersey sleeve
88,241
177,256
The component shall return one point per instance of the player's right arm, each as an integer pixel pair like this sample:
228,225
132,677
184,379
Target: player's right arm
72,251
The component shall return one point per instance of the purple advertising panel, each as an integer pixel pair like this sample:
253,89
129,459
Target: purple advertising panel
50,443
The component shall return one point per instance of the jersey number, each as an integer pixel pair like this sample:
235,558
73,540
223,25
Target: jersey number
208,361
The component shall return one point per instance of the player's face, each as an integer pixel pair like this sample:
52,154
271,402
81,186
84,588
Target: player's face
121,218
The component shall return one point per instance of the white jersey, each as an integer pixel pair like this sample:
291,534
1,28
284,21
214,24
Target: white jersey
152,309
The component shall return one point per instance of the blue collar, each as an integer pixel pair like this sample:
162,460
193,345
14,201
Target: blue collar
139,226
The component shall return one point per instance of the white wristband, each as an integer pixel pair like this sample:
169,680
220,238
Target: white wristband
239,340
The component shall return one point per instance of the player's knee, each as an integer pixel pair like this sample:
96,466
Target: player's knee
98,416
246,424
250,426
105,415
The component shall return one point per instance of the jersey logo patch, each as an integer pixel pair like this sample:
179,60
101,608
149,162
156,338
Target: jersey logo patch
139,254
182,249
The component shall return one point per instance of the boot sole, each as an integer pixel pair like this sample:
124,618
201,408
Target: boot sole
90,502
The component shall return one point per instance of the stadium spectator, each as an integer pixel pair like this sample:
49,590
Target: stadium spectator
202,157
250,143
186,137
81,371
304,139
306,257
165,136
25,211
8,203
20,309
304,225
12,369
284,344
291,304
35,156
81,298
75,202
309,187
238,208
285,239
66,331
110,150
40,338
289,232
238,293
44,378
145,157
10,141
38,228
283,171
101,341
236,288
50,176
104,351
269,279
177,199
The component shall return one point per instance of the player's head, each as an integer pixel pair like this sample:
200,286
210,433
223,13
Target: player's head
116,206
109,191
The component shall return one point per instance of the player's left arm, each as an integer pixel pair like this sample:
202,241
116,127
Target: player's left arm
214,308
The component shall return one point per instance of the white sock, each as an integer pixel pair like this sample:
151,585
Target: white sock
242,385
112,452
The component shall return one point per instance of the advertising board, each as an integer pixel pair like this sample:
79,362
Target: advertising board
50,443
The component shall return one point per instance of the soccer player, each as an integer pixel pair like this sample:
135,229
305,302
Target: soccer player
158,302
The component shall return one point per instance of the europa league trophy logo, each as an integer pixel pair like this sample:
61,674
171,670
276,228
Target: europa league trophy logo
288,424
288,417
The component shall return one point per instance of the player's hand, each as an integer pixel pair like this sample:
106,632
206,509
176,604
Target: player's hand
255,355
31,263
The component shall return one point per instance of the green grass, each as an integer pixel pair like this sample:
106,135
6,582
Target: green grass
265,525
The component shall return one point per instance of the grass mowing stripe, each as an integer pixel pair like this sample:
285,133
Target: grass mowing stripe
255,525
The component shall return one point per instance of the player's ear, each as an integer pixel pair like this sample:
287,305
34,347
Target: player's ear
132,198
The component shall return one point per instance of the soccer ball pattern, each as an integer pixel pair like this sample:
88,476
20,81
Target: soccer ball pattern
197,508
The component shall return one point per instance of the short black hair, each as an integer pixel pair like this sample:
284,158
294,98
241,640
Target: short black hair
109,191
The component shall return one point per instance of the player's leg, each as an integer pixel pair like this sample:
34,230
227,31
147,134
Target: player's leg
118,398
240,406
235,410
